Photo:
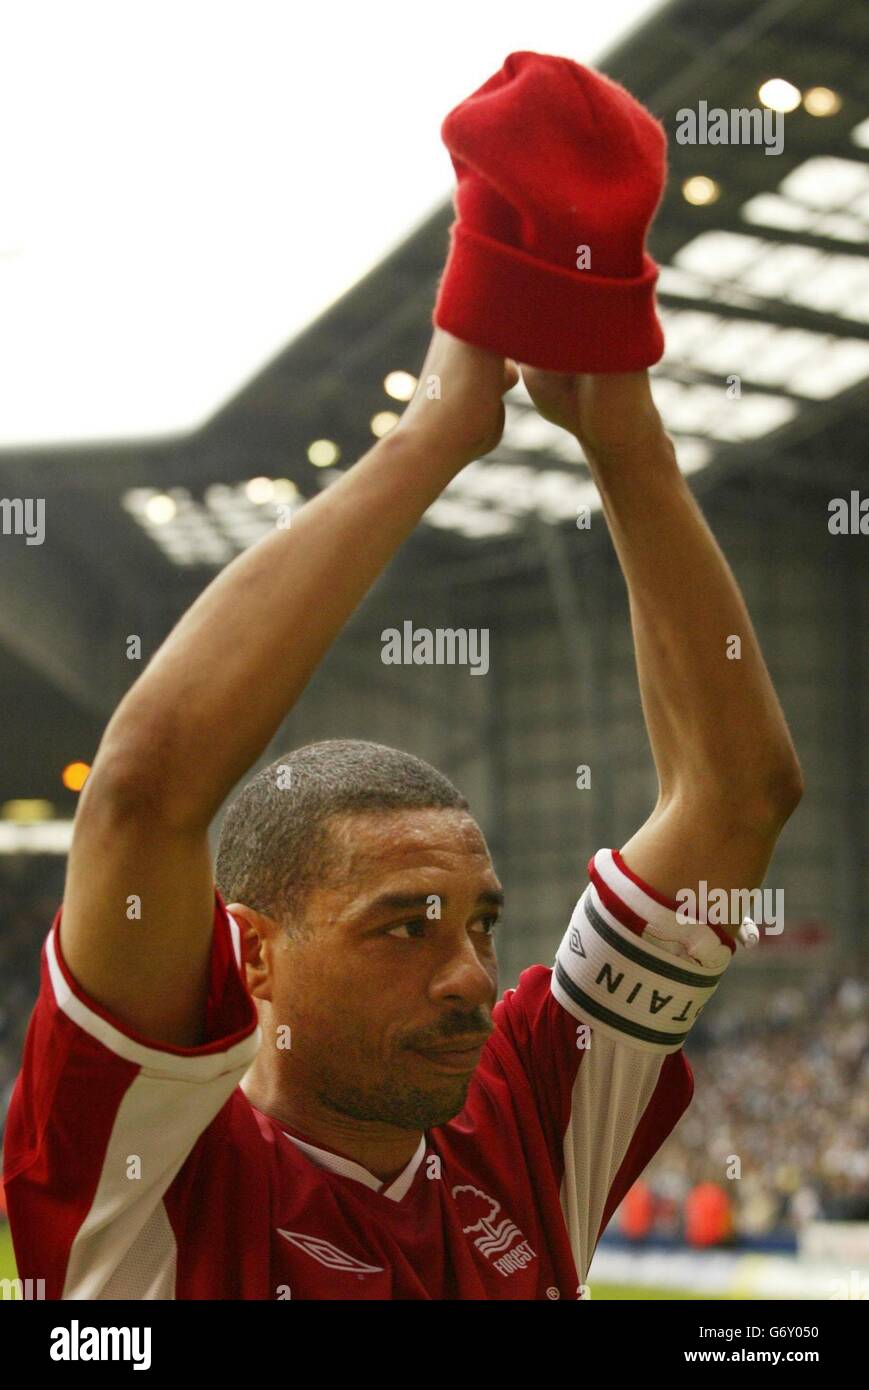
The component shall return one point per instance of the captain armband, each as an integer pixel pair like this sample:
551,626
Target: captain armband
629,968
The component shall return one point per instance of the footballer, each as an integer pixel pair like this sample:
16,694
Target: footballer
297,1079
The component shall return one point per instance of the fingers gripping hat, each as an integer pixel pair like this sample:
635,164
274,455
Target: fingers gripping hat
560,171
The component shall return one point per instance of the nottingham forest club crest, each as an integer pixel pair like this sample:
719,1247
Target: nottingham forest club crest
495,1236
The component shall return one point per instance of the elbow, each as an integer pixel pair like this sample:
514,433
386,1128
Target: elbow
769,801
786,789
116,788
760,801
131,778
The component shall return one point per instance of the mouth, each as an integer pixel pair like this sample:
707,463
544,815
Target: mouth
454,1059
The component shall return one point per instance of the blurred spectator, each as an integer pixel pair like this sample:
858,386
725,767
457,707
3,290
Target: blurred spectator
786,1092
707,1215
637,1211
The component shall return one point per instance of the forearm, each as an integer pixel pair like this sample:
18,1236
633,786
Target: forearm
715,723
223,681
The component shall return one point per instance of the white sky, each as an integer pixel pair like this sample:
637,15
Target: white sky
184,186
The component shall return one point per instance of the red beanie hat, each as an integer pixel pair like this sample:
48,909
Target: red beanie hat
551,158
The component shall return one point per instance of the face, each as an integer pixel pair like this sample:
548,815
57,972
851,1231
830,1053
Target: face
389,998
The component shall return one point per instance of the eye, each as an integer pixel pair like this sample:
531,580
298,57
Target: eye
490,921
411,930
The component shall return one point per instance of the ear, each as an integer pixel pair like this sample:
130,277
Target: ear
259,935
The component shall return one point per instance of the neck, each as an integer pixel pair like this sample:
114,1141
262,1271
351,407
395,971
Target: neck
382,1149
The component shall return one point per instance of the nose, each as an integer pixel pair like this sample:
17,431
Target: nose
465,978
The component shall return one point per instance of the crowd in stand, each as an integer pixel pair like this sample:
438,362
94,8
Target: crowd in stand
777,1133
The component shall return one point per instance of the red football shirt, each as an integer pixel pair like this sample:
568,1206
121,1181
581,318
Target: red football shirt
137,1170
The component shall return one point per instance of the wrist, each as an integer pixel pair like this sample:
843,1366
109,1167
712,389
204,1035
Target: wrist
643,443
432,448
649,467
616,414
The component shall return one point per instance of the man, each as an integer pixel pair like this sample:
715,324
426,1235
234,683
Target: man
374,1125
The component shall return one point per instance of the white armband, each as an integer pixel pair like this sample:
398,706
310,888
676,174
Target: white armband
628,968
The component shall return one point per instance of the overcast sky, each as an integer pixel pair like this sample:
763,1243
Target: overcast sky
184,186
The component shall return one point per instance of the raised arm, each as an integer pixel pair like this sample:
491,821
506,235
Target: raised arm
727,770
213,696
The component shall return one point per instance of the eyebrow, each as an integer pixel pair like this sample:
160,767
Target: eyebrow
403,901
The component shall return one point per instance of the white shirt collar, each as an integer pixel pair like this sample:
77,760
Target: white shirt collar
336,1163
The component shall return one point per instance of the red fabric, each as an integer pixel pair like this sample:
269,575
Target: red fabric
550,156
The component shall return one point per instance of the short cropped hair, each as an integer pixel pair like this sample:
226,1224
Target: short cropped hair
275,845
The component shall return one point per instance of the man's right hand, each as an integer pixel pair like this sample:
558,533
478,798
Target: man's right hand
457,407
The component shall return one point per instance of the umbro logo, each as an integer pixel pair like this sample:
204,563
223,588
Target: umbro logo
328,1254
575,943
